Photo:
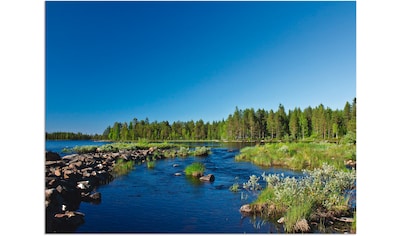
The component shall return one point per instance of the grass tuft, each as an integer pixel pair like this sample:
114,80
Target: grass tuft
195,169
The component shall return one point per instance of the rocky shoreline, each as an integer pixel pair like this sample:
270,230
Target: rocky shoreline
72,179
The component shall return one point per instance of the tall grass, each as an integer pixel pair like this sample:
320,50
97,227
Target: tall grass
299,156
122,167
85,149
183,151
322,189
201,151
195,169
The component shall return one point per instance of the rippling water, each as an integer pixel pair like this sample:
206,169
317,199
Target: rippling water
157,201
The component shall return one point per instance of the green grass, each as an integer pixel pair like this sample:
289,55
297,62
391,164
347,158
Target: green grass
353,226
295,213
298,156
115,147
150,164
297,199
170,153
195,169
201,151
85,149
235,187
183,151
122,167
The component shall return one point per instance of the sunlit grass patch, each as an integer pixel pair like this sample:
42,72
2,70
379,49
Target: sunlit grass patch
298,156
85,149
320,191
195,169
122,167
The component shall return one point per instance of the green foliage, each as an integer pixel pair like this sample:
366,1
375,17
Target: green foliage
265,196
196,168
201,151
353,226
235,187
122,167
296,213
183,151
318,123
150,164
349,138
115,147
72,136
322,188
252,183
171,153
298,156
85,149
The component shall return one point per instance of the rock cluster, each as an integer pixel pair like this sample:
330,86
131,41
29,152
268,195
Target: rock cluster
74,178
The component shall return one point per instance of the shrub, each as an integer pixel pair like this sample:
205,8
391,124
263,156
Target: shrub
252,183
322,189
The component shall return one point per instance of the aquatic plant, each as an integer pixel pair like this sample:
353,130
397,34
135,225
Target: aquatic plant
122,167
201,151
322,189
150,164
299,156
252,184
183,151
235,187
128,146
195,169
85,149
171,153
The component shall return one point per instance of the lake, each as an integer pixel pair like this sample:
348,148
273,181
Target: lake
157,201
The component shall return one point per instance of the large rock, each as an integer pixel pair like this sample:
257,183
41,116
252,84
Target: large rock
208,178
302,226
246,209
52,156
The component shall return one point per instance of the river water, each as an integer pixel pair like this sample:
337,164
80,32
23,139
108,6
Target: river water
157,201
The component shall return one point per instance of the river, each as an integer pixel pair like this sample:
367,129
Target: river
156,201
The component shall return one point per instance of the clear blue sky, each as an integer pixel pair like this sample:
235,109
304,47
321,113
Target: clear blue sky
181,61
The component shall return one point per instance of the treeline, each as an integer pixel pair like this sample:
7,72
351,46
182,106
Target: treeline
246,125
72,136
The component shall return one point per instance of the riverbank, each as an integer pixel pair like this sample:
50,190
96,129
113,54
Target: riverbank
74,178
298,156
320,198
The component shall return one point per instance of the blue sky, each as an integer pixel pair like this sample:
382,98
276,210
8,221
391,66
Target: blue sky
113,61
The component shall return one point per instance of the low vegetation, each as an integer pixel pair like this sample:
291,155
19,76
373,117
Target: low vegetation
298,156
115,147
195,169
122,167
183,151
201,151
320,194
